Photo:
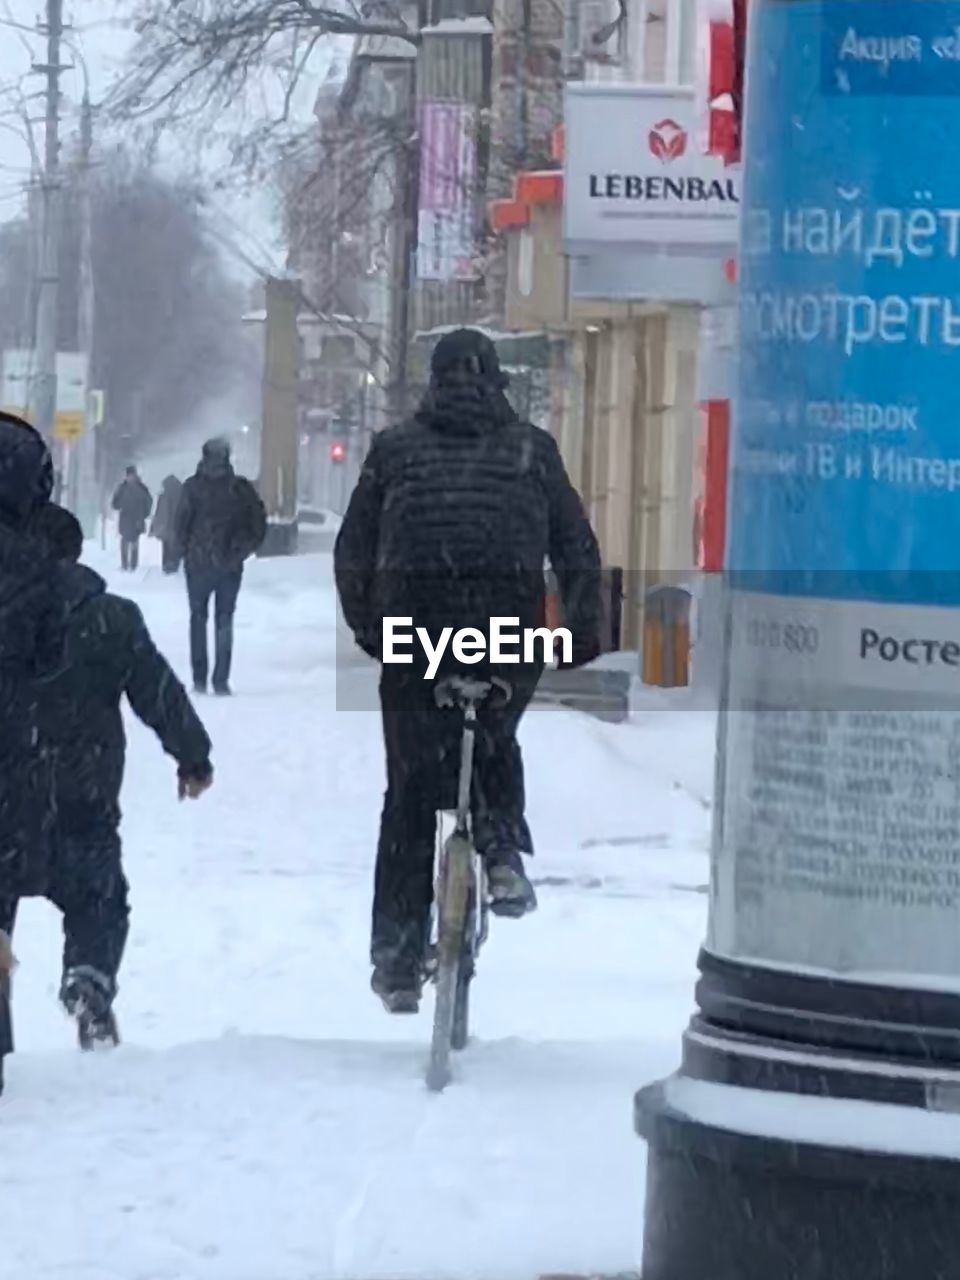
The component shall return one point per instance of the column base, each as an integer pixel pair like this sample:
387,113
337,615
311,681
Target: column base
723,1205
281,540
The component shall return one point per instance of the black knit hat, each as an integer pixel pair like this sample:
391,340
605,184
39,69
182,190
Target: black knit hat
26,470
217,450
470,353
60,530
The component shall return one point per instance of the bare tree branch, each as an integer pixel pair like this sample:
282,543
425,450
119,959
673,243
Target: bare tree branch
199,55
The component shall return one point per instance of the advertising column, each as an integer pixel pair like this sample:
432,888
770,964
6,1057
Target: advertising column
818,1100
839,818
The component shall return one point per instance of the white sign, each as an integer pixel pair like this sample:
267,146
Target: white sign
636,172
18,369
837,847
15,387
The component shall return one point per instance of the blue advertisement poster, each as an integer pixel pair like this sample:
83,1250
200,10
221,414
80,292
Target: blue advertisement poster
838,793
846,452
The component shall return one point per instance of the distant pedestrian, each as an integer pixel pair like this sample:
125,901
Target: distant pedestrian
133,502
220,523
164,526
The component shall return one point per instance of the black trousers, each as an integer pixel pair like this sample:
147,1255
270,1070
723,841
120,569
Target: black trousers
223,587
423,762
88,885
171,557
129,552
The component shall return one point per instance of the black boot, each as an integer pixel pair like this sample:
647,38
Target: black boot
87,997
399,987
511,893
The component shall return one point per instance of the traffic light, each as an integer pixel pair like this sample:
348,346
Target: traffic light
337,451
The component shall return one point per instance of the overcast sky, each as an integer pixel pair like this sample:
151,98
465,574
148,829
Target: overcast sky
248,221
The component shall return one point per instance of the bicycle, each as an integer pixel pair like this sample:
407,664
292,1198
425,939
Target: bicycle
461,908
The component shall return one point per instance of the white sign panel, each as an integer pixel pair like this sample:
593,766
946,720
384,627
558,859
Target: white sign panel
18,368
71,382
838,841
636,172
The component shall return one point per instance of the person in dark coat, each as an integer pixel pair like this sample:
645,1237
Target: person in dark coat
133,502
450,524
164,526
110,655
32,649
220,523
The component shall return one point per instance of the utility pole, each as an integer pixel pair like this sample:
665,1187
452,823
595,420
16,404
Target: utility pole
280,433
82,501
43,389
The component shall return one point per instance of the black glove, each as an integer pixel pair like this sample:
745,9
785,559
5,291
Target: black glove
194,780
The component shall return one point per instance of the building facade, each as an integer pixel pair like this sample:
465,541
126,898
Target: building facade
620,249
538,169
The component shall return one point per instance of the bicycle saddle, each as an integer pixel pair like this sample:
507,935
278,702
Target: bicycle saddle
464,691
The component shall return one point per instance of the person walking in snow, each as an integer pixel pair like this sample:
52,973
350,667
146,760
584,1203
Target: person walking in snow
133,502
220,523
164,527
32,649
111,655
450,524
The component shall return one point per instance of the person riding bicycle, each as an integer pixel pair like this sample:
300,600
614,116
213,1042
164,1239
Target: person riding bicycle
450,523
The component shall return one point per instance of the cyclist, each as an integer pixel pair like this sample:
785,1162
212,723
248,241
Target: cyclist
450,524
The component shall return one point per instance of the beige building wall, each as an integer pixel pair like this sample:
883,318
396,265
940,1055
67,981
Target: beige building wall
628,437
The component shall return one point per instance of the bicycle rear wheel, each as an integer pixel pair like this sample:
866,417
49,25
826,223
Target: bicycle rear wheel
451,952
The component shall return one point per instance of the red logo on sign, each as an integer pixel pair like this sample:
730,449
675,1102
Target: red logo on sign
668,141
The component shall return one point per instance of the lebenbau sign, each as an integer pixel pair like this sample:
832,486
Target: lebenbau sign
637,174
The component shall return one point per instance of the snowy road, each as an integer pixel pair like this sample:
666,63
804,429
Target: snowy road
265,1120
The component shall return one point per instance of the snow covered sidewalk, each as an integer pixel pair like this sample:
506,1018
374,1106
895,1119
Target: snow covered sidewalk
265,1120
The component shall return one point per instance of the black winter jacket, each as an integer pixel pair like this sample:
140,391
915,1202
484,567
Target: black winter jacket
110,653
220,520
451,520
32,636
134,502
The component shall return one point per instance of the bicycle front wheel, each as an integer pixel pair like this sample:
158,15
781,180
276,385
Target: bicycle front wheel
460,1031
451,946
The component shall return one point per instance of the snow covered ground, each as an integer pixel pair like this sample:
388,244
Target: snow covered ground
265,1119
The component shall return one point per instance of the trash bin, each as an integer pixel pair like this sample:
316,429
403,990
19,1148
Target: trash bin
666,637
